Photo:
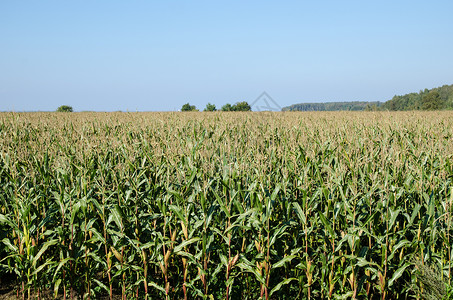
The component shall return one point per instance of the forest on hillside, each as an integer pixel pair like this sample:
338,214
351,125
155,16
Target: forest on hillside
440,98
334,106
434,99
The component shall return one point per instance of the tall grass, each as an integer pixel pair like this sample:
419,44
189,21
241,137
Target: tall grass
225,205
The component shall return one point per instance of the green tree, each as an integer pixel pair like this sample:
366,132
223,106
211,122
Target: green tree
242,106
210,107
431,101
227,107
65,108
188,107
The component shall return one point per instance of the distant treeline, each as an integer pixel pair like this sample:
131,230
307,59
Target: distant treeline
435,99
332,106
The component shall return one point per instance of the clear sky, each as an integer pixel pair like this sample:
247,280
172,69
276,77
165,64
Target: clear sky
108,55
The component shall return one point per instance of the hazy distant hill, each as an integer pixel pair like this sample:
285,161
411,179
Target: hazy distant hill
434,99
332,106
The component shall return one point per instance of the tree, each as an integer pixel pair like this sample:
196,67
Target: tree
227,107
188,107
242,106
210,107
431,101
65,108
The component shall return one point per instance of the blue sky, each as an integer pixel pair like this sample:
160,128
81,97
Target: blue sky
157,55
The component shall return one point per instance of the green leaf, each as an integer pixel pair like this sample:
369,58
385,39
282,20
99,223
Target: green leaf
11,247
414,214
397,246
97,205
326,224
43,249
179,212
48,262
116,216
230,281
300,213
224,237
361,262
97,236
185,244
275,192
192,287
55,288
154,285
60,265
393,215
398,274
147,245
251,269
277,233
347,295
103,286
224,208
280,284
4,219
75,210
283,261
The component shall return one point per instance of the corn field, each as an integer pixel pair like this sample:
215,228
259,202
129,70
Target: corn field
225,205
